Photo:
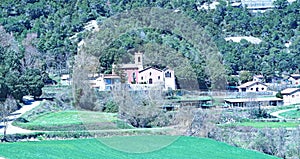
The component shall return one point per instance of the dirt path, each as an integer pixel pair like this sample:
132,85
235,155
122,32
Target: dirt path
276,114
13,129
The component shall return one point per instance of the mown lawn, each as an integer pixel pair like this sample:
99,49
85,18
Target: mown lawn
293,114
267,124
67,120
182,148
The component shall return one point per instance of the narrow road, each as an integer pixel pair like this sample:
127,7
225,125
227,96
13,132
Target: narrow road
13,129
276,114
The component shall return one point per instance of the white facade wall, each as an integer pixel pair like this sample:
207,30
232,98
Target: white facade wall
294,81
293,98
257,88
169,77
151,76
254,88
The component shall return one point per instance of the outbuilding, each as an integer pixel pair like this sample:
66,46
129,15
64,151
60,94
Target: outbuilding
291,96
252,102
253,86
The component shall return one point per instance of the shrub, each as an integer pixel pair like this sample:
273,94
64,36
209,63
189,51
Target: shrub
279,95
259,113
111,107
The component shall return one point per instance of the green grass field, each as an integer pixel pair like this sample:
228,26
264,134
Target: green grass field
277,108
267,124
72,120
293,114
182,148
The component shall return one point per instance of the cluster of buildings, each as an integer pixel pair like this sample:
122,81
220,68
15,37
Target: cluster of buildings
256,92
136,76
255,5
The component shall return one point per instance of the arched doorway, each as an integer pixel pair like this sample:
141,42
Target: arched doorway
150,81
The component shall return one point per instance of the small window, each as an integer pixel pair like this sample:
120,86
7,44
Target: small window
133,77
262,88
150,73
256,89
139,59
251,89
142,78
168,74
158,77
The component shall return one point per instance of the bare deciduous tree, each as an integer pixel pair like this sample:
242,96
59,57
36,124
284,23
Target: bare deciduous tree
294,145
85,66
272,141
8,40
216,71
139,108
5,109
196,122
31,53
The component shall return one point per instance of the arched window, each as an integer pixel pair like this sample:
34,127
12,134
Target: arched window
168,74
139,59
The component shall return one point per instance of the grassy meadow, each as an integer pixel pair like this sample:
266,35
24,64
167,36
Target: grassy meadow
293,114
116,147
74,120
266,124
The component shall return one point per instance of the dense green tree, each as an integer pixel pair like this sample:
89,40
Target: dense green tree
245,76
17,79
55,22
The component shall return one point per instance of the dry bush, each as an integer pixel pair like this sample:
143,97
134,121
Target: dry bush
139,108
196,122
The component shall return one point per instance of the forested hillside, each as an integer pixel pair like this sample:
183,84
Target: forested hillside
42,29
